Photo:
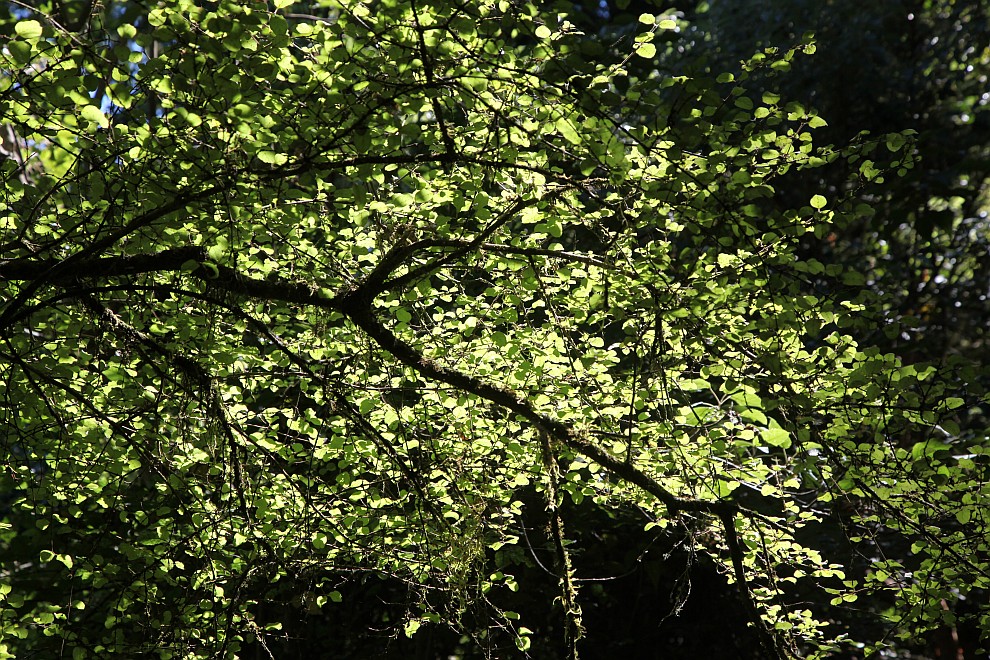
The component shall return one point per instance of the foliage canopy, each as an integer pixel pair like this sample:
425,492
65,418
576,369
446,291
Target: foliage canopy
297,296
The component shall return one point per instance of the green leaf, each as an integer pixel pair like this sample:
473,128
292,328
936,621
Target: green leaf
776,438
818,202
853,278
29,29
20,51
646,50
895,141
218,250
928,448
568,130
270,157
95,115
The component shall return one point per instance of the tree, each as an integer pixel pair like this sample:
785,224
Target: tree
302,301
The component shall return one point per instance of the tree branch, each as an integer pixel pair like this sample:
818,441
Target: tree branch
356,304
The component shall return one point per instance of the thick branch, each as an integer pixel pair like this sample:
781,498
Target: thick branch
167,260
172,260
355,304
57,268
555,429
